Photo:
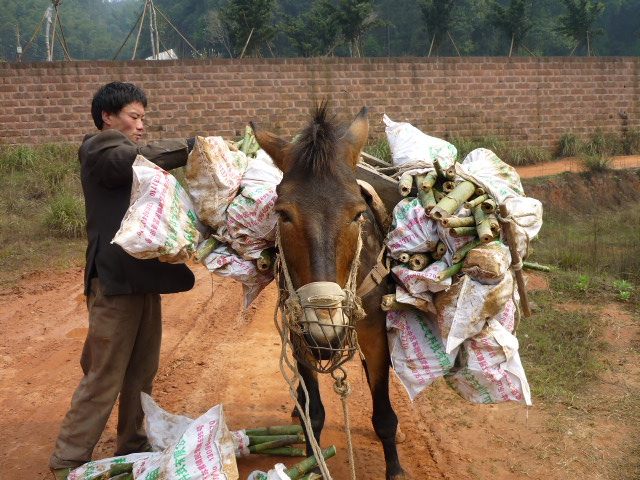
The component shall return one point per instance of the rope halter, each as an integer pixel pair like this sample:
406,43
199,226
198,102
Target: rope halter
321,315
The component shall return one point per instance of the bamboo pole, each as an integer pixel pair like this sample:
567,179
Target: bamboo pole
429,181
404,257
461,253
281,442
438,195
405,183
536,266
265,261
418,261
450,272
463,232
275,430
309,464
480,191
453,200
448,186
205,250
510,235
389,303
482,225
489,205
475,201
258,439
287,451
427,199
454,222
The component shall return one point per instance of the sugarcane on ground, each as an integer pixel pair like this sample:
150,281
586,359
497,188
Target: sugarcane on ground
215,352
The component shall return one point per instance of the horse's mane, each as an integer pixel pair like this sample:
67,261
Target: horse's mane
316,149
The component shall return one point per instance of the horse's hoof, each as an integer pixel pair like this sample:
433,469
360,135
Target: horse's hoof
399,476
400,436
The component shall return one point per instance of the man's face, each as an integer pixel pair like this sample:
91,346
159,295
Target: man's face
130,121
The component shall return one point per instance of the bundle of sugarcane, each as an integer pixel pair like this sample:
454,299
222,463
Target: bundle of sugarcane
277,440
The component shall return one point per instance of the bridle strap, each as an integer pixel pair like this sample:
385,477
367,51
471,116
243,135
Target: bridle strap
376,275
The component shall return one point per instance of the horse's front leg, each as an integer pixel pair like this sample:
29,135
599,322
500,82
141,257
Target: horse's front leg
373,342
316,409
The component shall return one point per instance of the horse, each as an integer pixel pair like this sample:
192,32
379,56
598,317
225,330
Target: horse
324,218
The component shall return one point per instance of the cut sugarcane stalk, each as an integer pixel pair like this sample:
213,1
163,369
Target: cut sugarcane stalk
427,199
275,430
461,253
482,225
418,261
405,183
389,303
463,232
429,181
404,258
205,250
454,222
453,200
509,238
489,205
310,463
284,451
258,439
265,261
450,272
281,442
115,469
475,201
536,266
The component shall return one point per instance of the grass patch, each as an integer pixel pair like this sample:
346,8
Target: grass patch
560,348
42,225
601,243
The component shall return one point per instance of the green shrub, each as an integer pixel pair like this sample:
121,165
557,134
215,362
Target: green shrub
596,162
631,142
380,149
570,146
66,215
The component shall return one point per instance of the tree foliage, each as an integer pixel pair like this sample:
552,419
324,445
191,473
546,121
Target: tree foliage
577,23
514,21
97,29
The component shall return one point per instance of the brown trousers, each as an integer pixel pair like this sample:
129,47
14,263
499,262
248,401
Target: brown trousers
120,357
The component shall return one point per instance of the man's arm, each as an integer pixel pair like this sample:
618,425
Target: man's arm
111,154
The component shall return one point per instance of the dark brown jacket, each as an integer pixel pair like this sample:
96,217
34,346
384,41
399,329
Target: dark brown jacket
106,159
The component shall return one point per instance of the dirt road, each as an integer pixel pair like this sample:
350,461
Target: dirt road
215,352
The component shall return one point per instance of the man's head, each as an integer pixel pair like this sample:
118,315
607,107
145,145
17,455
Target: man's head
120,106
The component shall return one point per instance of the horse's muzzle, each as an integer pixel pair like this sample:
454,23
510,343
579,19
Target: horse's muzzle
324,318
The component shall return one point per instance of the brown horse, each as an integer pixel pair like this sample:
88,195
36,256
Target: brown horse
322,213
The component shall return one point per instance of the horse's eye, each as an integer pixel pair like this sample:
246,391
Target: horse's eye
359,216
283,216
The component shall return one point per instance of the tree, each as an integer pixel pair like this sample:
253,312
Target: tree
514,21
248,24
577,23
355,19
438,19
316,32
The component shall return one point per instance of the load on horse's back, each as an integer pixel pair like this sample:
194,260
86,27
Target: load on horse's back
330,245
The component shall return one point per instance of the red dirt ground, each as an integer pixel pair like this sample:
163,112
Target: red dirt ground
214,352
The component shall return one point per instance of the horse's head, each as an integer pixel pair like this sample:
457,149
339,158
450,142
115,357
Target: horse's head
320,208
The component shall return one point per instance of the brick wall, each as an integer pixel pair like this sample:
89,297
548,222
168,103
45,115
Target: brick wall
530,101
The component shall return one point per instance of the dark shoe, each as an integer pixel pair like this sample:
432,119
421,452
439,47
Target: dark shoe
61,473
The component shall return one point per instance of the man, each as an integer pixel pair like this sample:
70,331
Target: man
122,350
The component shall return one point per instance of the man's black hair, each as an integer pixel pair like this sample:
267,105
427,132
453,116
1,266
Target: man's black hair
113,97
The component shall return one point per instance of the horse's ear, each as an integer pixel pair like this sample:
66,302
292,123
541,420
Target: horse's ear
275,146
356,136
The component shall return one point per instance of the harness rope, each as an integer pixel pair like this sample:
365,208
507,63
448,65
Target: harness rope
291,310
